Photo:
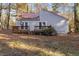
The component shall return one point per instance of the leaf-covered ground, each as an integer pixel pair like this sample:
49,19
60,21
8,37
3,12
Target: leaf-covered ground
33,45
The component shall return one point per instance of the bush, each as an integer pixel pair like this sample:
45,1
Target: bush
49,31
77,29
37,32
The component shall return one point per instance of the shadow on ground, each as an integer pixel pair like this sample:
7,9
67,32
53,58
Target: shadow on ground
33,45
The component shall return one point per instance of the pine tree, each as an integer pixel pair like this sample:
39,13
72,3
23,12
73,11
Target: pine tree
54,7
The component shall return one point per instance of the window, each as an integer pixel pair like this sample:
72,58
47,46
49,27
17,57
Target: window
44,24
40,25
26,25
22,25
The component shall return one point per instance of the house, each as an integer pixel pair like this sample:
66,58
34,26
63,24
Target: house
43,18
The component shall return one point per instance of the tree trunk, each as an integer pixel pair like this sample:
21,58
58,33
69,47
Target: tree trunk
8,16
1,26
75,16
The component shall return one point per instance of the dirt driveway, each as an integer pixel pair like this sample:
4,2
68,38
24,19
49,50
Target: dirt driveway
22,45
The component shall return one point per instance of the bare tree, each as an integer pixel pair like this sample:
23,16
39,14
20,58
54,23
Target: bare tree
38,7
0,15
8,15
76,16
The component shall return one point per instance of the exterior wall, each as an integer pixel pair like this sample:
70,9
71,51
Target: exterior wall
59,23
30,23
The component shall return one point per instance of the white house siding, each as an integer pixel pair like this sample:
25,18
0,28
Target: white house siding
59,23
30,23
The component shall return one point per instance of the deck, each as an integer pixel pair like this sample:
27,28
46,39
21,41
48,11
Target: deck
26,29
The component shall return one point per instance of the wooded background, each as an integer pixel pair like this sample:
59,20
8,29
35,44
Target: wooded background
10,11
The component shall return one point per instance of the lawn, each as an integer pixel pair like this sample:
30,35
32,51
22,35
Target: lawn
34,45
